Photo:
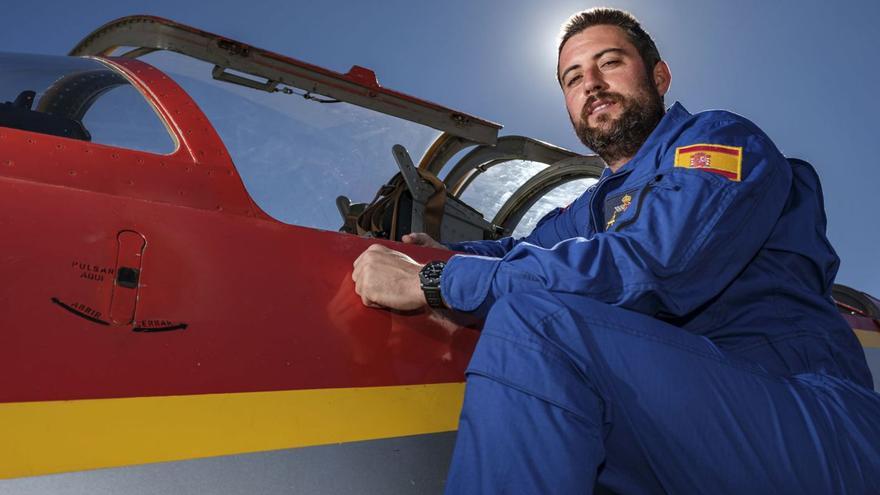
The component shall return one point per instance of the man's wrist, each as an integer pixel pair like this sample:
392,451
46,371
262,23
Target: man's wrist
418,289
429,280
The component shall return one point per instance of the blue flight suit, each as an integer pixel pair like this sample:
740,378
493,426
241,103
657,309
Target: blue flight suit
670,331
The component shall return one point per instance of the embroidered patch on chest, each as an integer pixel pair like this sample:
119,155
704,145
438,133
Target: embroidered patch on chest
722,160
616,205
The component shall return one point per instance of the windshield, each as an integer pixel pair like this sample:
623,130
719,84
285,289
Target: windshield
560,197
296,155
493,187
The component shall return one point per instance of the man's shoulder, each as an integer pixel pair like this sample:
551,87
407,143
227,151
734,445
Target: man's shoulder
724,141
710,120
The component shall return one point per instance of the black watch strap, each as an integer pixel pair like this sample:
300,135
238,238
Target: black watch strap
429,278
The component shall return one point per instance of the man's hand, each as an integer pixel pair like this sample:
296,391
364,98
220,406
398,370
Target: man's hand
385,278
420,239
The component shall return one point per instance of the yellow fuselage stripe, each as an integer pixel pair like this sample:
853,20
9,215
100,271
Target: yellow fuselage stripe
60,436
868,339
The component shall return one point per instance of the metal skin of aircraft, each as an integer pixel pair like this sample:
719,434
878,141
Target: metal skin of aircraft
162,333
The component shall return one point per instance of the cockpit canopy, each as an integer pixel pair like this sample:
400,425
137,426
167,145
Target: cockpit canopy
302,138
78,98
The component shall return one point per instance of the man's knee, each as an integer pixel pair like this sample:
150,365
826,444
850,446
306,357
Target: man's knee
517,316
551,320
523,346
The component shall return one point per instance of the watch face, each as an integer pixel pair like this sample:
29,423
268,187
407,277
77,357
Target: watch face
430,274
429,278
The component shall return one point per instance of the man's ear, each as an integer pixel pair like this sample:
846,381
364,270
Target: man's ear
662,77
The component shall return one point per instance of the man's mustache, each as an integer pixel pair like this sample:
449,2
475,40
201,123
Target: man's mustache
604,95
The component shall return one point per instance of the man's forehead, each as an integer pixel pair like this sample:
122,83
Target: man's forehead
596,39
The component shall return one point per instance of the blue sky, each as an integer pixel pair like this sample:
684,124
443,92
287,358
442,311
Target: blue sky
805,71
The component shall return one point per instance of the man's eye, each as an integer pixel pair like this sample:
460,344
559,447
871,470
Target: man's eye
573,80
609,64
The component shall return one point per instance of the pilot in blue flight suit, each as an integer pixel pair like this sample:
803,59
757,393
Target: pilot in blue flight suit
671,330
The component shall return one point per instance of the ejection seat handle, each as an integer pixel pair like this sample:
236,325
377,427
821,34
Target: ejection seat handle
410,175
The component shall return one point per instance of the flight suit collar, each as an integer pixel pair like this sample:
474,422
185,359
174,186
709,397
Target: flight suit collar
669,125
630,179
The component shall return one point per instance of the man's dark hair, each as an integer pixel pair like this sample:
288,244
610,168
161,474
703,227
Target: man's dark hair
602,16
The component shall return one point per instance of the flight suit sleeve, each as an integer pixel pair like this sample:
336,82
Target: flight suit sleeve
688,234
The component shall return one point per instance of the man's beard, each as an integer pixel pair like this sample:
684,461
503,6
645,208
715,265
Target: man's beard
625,135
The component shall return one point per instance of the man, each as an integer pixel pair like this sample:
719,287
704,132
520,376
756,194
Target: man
671,331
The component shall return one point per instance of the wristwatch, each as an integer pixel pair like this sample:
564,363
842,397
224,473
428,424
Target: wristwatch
429,278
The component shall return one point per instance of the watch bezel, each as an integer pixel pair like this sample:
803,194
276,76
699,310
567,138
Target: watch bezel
429,279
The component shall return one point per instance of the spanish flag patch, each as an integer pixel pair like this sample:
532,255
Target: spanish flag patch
722,160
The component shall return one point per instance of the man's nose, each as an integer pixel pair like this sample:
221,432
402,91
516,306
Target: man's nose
593,82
